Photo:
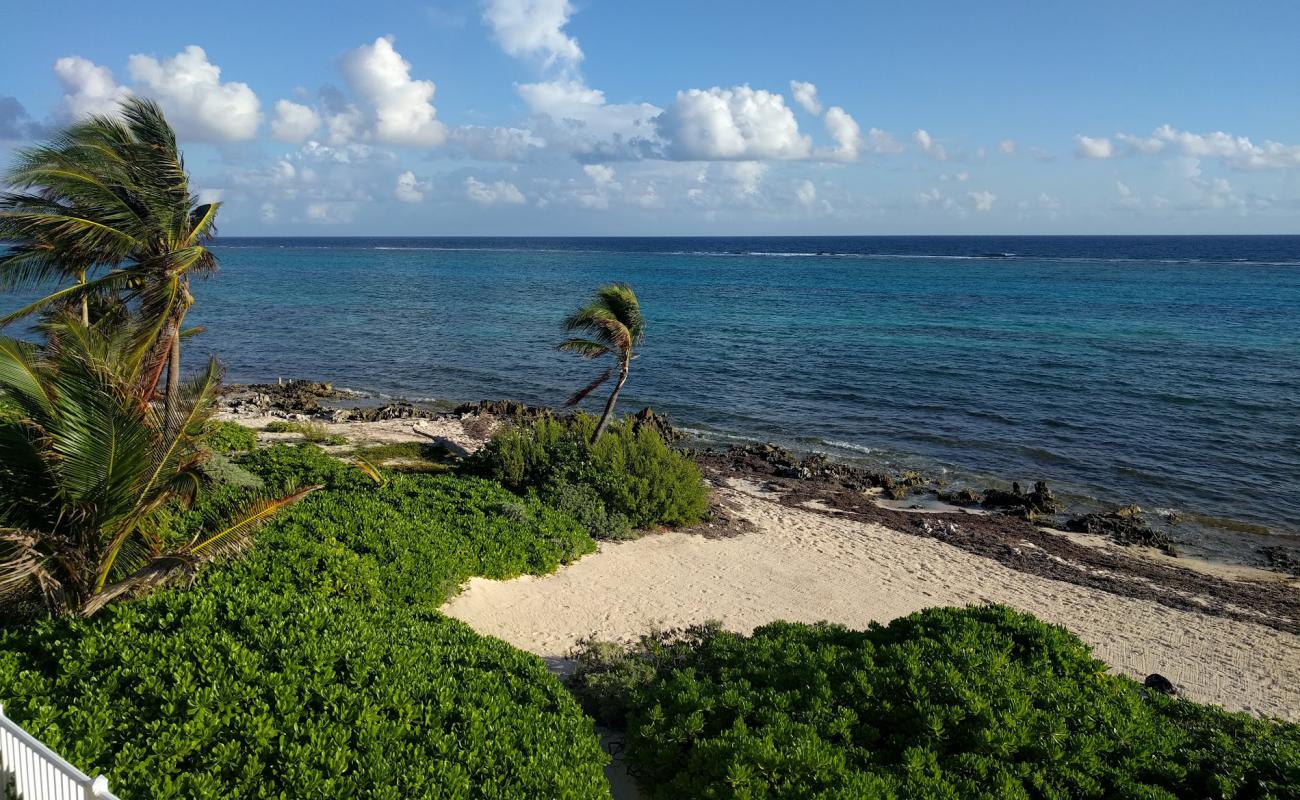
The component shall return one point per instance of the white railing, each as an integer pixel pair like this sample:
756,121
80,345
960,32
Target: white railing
36,772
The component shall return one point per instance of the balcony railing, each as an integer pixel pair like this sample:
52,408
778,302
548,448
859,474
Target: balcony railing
31,771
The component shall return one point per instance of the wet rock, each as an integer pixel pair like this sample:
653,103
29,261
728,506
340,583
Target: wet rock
291,397
961,497
771,459
1017,502
1282,559
506,409
1159,683
1123,526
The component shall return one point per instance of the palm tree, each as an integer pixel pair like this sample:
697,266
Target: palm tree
612,318
110,194
88,467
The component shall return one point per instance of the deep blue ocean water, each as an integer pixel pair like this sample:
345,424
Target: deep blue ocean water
1158,370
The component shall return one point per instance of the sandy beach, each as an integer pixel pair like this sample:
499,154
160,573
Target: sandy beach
808,566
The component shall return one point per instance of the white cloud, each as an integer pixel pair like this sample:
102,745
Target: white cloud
983,201
495,193
494,144
199,106
600,174
574,117
410,189
88,88
928,145
534,29
331,212
294,122
747,175
805,94
402,108
1238,152
725,124
806,193
1007,146
846,133
882,142
1090,147
268,212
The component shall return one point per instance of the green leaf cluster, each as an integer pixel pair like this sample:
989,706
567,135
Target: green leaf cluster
946,703
230,437
632,471
317,666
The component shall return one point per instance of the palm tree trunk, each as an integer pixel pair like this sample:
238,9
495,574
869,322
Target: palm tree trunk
609,405
173,375
85,301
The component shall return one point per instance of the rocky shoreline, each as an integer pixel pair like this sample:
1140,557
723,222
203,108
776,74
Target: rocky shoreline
1022,529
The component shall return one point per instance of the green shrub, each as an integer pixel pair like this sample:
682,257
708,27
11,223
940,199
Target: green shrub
980,702
316,666
231,437
583,503
634,472
425,457
315,432
281,426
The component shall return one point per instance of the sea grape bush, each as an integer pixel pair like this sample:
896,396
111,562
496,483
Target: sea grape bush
633,471
946,703
317,666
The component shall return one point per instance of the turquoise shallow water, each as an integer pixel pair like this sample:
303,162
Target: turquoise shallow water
1159,370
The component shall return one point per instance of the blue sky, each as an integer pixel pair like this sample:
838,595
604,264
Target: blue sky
537,117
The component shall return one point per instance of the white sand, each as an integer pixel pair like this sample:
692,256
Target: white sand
804,566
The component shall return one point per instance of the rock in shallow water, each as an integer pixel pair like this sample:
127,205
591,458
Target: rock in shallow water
1123,526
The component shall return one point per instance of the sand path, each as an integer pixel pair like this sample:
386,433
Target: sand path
804,566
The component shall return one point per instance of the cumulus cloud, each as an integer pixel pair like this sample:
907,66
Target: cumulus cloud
575,117
533,29
600,174
494,144
1237,152
928,145
401,107
410,189
495,193
747,176
846,133
806,193
882,142
983,201
731,124
1007,146
1090,147
294,122
87,87
805,94
198,104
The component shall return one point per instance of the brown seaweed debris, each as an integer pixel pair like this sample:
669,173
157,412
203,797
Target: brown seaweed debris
1124,526
1018,544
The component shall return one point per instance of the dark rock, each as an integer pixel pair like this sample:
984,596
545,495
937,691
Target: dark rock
390,411
506,409
1017,502
1159,683
291,397
962,497
647,418
1124,526
1282,559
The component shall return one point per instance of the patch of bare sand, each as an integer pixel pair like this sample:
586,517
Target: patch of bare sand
804,566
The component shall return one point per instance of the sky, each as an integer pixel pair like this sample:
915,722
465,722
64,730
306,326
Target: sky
726,117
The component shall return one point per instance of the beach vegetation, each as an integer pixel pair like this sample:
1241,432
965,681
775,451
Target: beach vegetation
974,702
230,437
106,204
636,476
612,325
315,432
318,664
88,464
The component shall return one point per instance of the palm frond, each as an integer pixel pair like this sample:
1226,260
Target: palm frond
583,347
578,396
234,536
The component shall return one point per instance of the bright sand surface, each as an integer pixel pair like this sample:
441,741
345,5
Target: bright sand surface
806,566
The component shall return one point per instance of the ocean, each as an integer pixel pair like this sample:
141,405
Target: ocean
1161,371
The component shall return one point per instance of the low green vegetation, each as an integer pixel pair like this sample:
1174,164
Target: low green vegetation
637,479
317,665
231,437
426,457
946,703
314,432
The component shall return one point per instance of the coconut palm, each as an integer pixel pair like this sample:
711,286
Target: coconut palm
612,319
110,195
88,467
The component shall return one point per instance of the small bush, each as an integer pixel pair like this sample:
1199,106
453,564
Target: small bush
231,437
411,457
281,426
634,472
946,703
583,503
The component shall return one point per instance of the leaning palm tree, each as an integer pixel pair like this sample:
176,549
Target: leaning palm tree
110,195
88,468
612,319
